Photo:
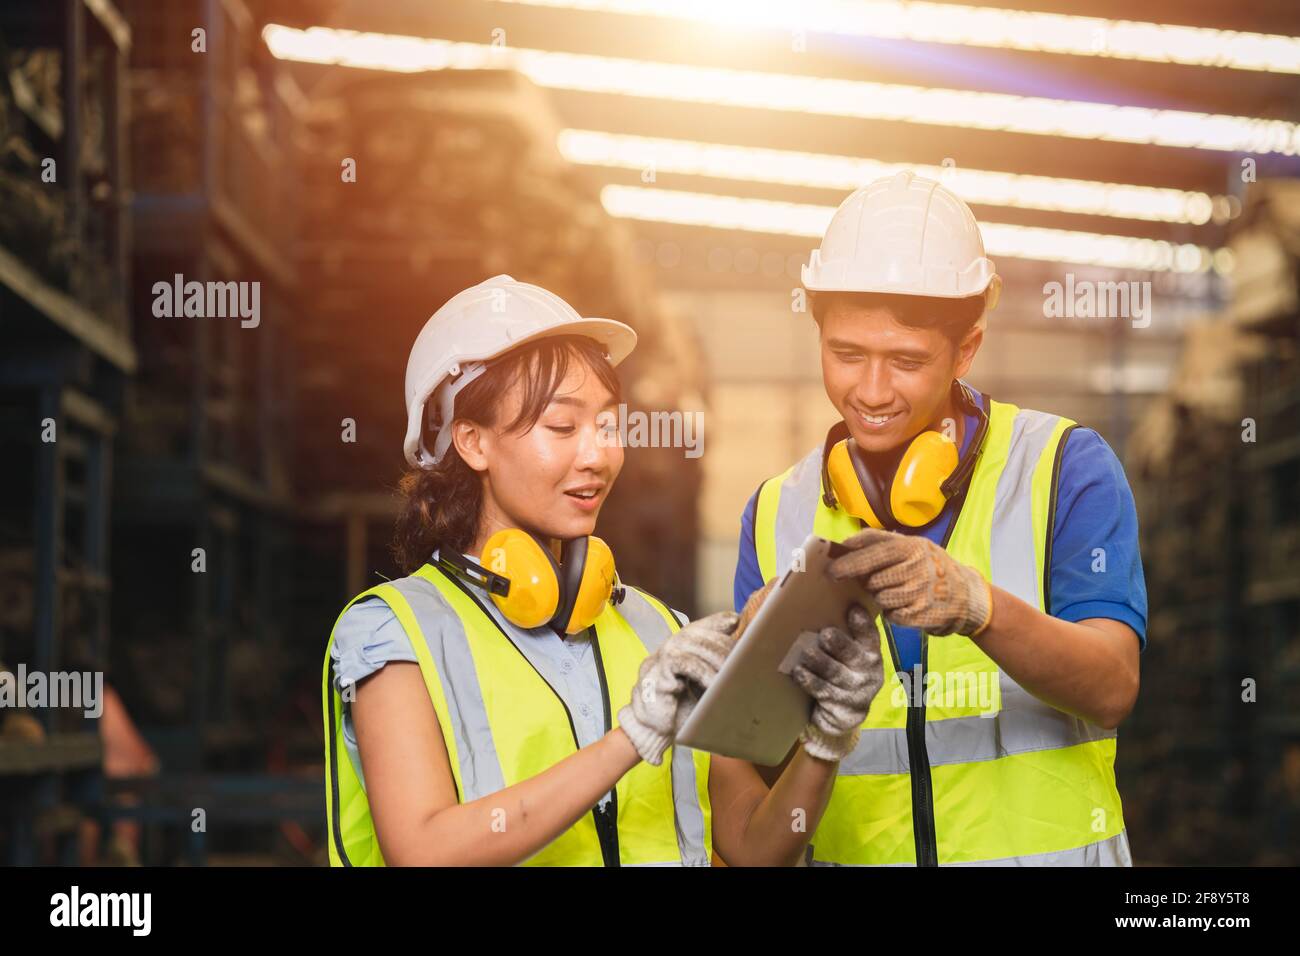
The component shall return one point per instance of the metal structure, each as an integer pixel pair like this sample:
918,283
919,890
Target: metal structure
68,351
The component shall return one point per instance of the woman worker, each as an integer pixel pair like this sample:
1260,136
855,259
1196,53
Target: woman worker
554,703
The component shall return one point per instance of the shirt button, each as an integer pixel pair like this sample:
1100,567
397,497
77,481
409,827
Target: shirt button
586,711
566,666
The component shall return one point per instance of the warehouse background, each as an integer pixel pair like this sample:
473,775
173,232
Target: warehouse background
200,519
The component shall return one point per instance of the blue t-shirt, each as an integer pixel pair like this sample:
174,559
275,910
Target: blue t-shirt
1094,510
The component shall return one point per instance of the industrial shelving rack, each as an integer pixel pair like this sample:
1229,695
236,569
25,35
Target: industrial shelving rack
64,238
1178,755
204,460
1267,244
1214,775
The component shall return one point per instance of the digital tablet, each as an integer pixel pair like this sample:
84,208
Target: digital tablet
753,709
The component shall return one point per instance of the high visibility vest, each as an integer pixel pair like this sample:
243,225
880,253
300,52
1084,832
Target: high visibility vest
959,764
502,723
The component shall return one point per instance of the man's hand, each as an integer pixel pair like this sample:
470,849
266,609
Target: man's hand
916,582
842,672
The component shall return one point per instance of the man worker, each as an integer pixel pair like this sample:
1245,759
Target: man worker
1000,543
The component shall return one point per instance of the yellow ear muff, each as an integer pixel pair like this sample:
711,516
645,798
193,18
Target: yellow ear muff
917,496
534,580
594,588
848,489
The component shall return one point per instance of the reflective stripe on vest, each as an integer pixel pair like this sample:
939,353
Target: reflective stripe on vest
1011,780
502,723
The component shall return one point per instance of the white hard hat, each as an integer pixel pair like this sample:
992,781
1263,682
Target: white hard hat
902,235
480,324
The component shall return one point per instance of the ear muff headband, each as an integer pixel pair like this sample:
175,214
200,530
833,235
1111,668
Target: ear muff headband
474,573
966,467
573,561
834,438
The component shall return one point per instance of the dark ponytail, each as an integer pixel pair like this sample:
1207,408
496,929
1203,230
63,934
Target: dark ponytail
442,505
441,509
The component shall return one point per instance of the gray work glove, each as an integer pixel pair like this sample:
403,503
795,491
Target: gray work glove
671,681
916,582
842,672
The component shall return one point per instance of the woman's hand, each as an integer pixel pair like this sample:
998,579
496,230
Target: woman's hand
842,672
671,681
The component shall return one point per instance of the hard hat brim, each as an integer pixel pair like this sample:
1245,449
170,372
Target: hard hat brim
982,272
848,287
618,338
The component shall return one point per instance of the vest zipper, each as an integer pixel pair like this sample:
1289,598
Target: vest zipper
601,826
918,758
927,851
606,818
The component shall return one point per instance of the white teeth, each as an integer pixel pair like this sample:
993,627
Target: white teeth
876,419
